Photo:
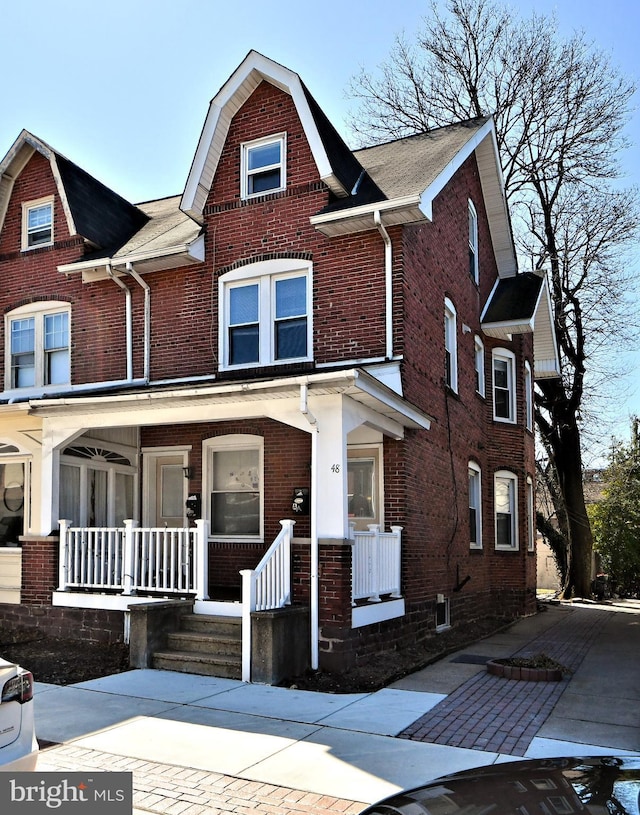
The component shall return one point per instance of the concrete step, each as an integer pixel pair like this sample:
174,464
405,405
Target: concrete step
216,644
192,662
212,624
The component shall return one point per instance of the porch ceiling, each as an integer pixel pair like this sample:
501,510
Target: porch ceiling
357,384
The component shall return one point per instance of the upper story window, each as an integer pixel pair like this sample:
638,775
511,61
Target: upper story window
504,386
475,506
478,350
37,351
263,166
506,510
265,315
37,223
474,265
450,345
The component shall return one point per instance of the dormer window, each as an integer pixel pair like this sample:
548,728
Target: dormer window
37,223
263,166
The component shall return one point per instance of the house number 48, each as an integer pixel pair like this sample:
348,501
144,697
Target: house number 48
335,468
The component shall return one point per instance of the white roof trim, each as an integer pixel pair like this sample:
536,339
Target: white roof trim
14,163
237,89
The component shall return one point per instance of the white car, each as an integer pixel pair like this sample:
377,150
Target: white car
18,743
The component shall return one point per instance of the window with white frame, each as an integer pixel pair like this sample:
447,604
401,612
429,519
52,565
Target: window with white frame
528,395
475,506
265,318
531,515
263,166
443,613
97,484
450,345
234,481
37,223
504,385
474,270
37,350
505,498
478,349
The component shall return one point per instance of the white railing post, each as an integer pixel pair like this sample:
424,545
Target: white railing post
248,605
64,556
128,557
202,559
374,562
397,583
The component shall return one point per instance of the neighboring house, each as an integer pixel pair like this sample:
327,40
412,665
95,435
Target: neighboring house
315,361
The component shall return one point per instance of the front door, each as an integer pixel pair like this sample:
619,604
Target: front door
164,488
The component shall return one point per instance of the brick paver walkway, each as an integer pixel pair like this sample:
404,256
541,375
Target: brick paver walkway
171,790
503,715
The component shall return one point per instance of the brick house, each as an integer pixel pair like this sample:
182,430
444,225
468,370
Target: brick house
301,390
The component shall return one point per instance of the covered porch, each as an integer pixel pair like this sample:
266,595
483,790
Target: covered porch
118,565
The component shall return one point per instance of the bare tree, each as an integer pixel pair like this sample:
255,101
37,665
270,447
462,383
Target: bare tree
560,108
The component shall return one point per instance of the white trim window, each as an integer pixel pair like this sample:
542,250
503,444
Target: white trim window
475,506
263,166
478,350
234,485
98,483
504,385
531,516
37,223
266,314
505,498
474,265
450,346
37,352
443,613
528,395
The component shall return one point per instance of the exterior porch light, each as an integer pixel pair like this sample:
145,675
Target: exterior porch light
187,472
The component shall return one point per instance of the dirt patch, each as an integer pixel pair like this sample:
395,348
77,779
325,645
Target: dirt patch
62,661
380,671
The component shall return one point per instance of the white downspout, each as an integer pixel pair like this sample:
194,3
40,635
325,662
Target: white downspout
315,559
388,281
128,320
147,319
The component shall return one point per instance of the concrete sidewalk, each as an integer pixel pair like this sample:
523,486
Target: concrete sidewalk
199,744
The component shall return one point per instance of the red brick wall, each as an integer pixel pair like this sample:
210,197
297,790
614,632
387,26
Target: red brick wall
40,558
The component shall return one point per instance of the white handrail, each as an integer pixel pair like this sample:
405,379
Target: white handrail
266,587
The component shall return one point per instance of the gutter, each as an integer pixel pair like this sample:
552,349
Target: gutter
314,610
388,278
147,319
128,320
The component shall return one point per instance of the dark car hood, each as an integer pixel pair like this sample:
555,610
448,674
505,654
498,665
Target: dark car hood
606,785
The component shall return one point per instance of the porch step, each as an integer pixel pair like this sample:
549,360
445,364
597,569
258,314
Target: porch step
205,644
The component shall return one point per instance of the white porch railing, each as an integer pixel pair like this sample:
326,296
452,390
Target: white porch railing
266,587
375,563
131,559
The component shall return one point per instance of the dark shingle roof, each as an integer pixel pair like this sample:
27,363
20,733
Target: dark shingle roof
101,216
514,299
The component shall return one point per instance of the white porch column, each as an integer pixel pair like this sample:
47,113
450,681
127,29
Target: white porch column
53,439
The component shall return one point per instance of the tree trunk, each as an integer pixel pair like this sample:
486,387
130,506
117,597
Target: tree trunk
568,462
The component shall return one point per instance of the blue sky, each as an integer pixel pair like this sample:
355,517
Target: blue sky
122,87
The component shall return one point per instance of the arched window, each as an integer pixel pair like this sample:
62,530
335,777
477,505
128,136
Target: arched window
505,498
